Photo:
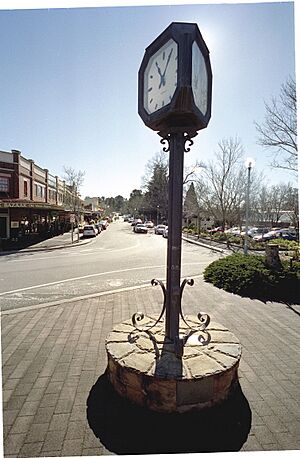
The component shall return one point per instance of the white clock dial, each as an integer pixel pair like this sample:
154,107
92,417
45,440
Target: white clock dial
199,79
160,78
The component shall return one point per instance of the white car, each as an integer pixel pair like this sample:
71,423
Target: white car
149,224
234,230
165,233
140,228
159,229
89,231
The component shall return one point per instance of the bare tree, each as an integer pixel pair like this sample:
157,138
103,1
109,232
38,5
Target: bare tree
271,203
74,180
161,160
224,182
279,130
262,205
190,172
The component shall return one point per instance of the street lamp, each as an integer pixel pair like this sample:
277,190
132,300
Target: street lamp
249,163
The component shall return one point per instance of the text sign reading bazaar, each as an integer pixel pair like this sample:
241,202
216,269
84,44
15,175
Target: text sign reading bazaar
23,205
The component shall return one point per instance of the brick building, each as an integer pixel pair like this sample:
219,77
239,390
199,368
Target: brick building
32,201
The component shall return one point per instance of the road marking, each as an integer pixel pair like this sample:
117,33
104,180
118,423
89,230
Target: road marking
42,285
82,252
80,298
78,278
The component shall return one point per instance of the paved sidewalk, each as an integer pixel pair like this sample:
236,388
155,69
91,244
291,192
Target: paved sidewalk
53,243
55,398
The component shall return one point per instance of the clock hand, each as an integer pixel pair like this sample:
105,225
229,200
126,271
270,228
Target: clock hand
158,69
161,75
168,60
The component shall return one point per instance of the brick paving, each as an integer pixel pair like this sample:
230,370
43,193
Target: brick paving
53,358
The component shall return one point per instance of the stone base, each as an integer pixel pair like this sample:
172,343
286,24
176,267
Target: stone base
147,372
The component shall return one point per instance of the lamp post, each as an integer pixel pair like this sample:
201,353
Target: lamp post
157,210
249,163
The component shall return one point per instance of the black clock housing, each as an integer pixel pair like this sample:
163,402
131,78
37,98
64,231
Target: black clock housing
181,114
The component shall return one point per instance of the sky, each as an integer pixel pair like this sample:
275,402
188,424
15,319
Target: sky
68,83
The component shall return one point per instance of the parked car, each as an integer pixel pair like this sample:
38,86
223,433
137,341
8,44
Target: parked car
159,229
215,229
277,233
232,230
98,227
80,228
89,231
136,221
257,233
140,228
250,231
165,232
149,224
104,224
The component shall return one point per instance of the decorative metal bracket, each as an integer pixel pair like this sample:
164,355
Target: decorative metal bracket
165,139
179,342
187,137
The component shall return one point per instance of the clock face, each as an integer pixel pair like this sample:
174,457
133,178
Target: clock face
160,77
199,79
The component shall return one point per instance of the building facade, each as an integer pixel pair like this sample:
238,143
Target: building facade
32,201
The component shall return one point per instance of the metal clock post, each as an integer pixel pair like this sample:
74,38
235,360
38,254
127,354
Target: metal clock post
175,82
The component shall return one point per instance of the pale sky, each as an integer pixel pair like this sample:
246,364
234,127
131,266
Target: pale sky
68,83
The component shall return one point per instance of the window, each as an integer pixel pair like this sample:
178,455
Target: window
4,184
40,191
25,189
52,194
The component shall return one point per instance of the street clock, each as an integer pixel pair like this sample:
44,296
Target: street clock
175,81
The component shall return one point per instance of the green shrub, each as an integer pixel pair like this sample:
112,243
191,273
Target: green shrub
287,244
235,239
248,275
219,236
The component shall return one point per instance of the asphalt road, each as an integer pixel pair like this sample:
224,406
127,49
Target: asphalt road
117,258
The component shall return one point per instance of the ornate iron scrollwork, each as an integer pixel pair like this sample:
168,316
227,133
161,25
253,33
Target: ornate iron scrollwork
179,342
136,317
165,139
187,137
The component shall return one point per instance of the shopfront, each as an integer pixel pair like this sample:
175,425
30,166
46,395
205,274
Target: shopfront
19,220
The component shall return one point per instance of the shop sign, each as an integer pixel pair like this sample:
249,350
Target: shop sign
24,205
14,224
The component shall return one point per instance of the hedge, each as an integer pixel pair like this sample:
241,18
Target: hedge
249,275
